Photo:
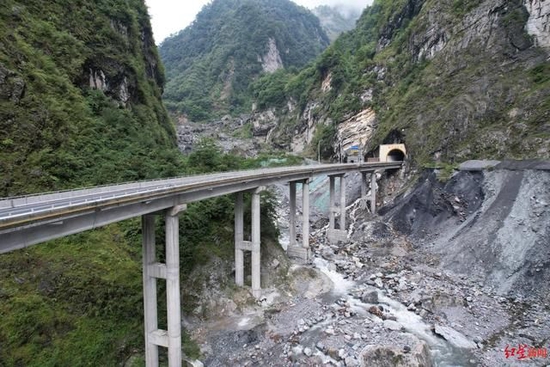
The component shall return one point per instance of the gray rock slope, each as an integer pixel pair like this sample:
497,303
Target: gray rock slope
493,223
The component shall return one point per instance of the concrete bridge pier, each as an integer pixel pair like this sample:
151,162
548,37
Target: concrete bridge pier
170,271
373,192
335,235
254,245
372,198
302,252
363,201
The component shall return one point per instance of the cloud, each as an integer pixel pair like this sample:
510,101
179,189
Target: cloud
357,5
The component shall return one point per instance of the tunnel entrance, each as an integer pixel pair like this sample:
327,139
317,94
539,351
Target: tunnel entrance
395,155
392,152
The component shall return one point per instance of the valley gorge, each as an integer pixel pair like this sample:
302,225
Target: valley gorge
453,269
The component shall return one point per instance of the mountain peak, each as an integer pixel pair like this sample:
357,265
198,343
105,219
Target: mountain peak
211,63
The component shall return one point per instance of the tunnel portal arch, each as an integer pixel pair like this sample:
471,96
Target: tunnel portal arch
392,152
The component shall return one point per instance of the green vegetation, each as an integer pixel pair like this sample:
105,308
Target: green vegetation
211,63
56,131
323,140
444,170
451,96
540,74
461,7
80,87
72,302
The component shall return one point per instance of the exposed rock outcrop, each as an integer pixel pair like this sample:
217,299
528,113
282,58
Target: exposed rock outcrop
356,130
263,122
97,80
303,133
538,24
326,85
271,61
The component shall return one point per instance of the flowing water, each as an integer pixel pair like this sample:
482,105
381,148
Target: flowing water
443,353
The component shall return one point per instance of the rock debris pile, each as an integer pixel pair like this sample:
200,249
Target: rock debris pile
386,298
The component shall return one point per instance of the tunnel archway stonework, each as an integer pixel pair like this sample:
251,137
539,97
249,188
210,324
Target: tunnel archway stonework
392,152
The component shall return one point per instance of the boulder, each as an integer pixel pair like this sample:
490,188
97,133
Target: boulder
376,311
392,325
395,356
454,337
370,297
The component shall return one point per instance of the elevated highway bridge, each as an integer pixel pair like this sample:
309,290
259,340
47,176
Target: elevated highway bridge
30,220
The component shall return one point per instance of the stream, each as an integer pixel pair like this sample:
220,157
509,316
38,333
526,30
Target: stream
443,353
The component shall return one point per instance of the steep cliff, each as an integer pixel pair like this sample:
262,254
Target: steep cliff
452,79
211,63
80,88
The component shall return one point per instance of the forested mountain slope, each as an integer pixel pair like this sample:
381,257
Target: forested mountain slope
211,63
80,87
452,79
80,105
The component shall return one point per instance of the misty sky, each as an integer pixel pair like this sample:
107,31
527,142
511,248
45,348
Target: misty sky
171,16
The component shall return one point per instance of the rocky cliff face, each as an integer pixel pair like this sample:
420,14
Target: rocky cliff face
271,61
113,77
80,89
455,79
538,24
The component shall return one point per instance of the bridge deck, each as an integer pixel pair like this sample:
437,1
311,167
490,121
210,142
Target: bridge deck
28,220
